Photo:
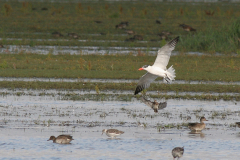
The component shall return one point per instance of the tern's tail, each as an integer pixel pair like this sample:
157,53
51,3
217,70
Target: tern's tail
170,75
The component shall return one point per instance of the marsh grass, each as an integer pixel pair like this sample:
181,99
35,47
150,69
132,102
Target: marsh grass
213,40
205,88
201,68
210,33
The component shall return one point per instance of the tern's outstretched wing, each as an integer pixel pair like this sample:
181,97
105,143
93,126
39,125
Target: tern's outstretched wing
144,82
164,54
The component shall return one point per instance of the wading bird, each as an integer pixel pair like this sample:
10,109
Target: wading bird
61,139
177,152
158,69
112,132
154,105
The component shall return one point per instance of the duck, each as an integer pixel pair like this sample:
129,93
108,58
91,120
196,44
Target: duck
158,21
129,32
198,126
113,133
124,22
98,21
138,37
122,25
187,27
57,34
177,152
130,39
44,9
164,35
238,124
73,35
61,139
154,105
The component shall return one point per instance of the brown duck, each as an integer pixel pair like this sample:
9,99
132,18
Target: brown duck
57,34
73,35
121,25
138,37
164,35
129,32
238,124
61,139
187,27
198,126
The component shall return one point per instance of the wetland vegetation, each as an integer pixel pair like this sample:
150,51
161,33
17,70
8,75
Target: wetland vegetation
32,23
188,67
217,25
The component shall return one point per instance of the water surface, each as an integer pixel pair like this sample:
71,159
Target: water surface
28,121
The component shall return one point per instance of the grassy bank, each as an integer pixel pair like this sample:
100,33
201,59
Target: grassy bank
206,88
207,68
35,20
100,88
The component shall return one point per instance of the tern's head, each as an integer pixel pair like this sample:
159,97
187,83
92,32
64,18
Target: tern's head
145,67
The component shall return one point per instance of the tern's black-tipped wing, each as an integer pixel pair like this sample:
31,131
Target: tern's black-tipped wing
144,82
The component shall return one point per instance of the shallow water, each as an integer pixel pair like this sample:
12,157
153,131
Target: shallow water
85,50
55,50
28,121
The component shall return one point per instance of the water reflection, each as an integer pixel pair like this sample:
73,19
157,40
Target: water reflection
195,134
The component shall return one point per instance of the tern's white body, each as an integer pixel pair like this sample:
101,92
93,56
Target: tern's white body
156,71
159,68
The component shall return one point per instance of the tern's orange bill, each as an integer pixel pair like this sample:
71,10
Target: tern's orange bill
140,69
